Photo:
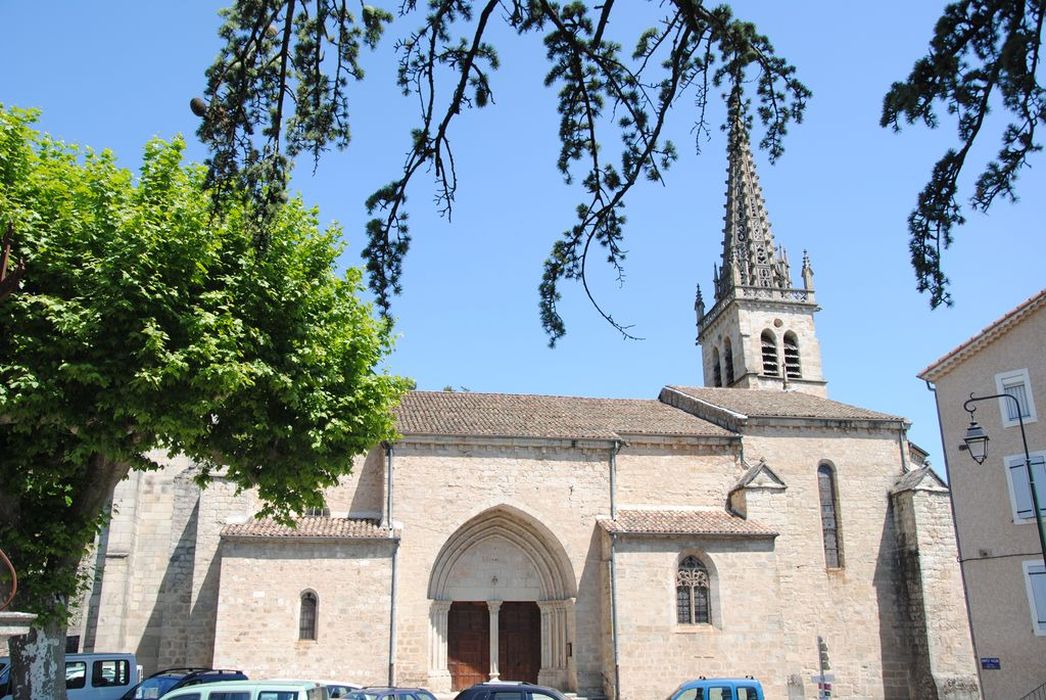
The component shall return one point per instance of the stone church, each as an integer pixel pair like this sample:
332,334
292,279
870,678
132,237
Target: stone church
608,547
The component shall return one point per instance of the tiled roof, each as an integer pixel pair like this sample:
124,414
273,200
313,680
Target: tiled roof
684,522
534,416
766,403
309,528
988,335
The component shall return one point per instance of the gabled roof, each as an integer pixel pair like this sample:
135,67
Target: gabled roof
309,528
760,476
986,337
921,479
769,403
535,416
683,522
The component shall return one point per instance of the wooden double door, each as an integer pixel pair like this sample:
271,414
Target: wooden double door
468,642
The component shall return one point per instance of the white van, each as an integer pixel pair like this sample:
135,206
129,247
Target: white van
251,690
97,676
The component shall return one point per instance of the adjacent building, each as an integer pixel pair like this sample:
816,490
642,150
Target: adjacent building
608,547
999,547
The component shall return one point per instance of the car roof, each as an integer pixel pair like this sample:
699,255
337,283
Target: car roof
700,681
233,685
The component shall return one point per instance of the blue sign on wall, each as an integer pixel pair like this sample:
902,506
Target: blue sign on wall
990,662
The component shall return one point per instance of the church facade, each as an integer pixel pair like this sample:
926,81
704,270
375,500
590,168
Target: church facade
608,547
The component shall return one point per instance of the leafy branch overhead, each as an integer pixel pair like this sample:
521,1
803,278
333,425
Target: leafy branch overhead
983,52
279,89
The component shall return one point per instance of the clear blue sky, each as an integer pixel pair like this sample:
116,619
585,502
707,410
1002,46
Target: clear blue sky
113,74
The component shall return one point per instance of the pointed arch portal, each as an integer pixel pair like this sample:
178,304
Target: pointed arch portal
506,565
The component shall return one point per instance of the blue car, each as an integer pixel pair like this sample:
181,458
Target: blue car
719,689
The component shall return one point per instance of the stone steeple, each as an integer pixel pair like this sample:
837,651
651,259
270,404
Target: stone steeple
750,258
759,332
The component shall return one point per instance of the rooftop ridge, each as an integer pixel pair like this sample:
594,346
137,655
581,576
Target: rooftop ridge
987,335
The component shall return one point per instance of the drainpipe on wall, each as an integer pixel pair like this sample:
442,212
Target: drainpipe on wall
900,443
386,519
388,523
392,615
614,449
613,618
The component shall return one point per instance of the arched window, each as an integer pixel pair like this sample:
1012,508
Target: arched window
307,619
769,343
728,360
717,370
692,585
793,370
833,548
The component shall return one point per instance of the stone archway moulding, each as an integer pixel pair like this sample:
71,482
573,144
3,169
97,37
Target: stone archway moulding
542,548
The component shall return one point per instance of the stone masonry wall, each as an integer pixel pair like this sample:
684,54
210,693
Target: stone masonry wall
942,653
855,608
258,614
439,488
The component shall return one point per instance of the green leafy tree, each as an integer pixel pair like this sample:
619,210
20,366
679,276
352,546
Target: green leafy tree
145,321
983,53
279,88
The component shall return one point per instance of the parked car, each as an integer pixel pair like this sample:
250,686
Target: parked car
335,689
251,690
339,689
719,689
94,676
163,682
387,693
509,690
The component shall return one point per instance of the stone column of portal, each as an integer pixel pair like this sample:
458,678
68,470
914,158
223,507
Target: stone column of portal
439,671
495,607
545,607
554,636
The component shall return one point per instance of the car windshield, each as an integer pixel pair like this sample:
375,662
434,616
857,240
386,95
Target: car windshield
360,695
152,688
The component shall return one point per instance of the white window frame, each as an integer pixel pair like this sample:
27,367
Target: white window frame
1038,620
1011,462
1014,377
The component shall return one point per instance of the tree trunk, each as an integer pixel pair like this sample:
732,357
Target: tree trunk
38,663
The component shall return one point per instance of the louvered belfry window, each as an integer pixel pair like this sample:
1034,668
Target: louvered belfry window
307,621
692,592
717,370
769,344
793,370
833,556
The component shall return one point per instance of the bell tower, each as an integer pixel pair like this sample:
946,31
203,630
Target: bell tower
759,332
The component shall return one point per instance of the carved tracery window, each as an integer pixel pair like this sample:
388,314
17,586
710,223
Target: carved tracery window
692,592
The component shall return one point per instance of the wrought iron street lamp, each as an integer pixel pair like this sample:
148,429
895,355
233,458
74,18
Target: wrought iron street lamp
976,443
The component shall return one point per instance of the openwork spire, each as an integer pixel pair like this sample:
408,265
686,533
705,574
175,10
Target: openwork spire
750,258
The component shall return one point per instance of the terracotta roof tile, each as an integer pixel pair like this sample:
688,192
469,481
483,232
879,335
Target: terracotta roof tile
309,528
766,403
534,416
684,522
988,335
